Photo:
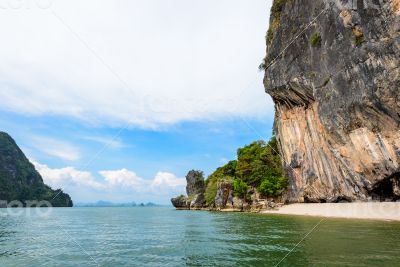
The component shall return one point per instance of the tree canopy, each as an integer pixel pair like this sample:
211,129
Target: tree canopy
258,165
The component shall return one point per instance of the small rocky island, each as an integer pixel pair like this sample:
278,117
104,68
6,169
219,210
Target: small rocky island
225,199
253,182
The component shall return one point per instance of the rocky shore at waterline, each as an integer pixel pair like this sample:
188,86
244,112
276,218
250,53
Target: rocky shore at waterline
224,199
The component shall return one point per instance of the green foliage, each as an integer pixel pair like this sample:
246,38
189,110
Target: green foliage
248,157
211,190
257,165
277,7
257,161
272,186
223,173
359,40
263,65
270,36
240,188
316,39
20,181
359,35
199,179
276,10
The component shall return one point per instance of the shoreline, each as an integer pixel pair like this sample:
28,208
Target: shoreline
384,211
381,211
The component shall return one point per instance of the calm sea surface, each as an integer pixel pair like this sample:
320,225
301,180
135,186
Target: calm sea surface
165,237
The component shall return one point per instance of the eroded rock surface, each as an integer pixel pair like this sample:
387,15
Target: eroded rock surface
195,190
337,99
197,201
224,196
180,202
195,183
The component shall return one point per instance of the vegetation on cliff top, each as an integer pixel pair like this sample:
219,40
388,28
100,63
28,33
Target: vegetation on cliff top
198,177
276,12
20,181
258,165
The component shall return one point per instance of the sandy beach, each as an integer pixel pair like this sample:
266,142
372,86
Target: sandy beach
357,210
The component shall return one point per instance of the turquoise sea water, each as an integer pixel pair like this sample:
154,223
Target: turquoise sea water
166,237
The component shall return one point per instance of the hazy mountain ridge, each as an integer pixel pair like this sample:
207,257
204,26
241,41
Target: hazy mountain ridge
102,203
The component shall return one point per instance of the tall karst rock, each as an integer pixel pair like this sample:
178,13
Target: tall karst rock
336,87
20,181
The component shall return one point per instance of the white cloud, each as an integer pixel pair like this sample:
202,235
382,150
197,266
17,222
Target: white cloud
120,185
165,61
66,177
56,148
124,178
164,180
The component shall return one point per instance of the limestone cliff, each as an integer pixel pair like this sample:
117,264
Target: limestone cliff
195,192
20,181
332,69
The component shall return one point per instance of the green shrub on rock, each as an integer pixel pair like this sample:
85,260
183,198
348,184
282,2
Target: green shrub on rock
258,165
240,188
316,39
222,173
272,186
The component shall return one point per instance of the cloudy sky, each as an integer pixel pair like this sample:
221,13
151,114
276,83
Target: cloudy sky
117,100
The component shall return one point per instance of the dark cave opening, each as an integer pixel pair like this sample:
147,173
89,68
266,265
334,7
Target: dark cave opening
387,189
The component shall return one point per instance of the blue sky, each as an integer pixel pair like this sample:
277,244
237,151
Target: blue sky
120,106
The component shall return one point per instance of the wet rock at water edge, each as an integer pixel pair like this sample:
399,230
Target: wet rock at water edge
180,202
195,188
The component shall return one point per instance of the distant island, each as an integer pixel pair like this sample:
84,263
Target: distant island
19,180
104,204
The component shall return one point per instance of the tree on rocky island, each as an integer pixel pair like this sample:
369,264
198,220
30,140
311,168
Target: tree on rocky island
257,171
240,189
258,166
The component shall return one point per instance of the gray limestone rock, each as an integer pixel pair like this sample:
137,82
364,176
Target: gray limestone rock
337,97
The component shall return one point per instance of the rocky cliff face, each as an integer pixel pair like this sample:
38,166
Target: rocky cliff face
20,181
335,82
195,190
